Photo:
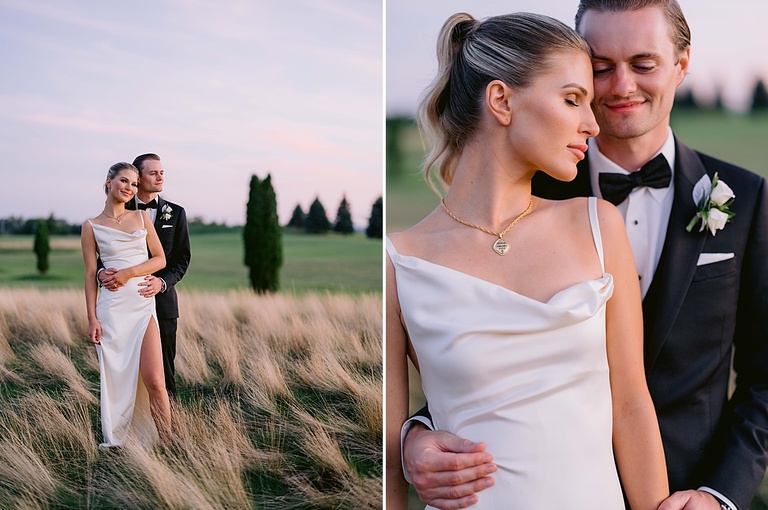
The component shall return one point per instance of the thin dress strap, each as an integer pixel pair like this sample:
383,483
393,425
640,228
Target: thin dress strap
595,225
94,237
391,249
142,219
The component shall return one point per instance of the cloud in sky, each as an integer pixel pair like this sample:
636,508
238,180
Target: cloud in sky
220,90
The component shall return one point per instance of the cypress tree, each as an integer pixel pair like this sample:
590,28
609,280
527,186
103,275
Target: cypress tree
344,218
376,221
684,100
42,246
718,104
759,98
262,236
316,221
297,219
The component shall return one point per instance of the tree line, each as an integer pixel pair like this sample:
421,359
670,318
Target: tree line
686,100
263,235
316,221
16,225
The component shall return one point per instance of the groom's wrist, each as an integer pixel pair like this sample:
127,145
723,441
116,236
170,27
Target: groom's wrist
414,422
725,503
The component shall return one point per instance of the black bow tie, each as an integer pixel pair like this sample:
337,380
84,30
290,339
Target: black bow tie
617,187
152,204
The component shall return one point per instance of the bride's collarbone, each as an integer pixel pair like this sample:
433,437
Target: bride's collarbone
128,227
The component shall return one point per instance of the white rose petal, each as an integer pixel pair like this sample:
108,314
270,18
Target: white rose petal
721,193
702,189
716,220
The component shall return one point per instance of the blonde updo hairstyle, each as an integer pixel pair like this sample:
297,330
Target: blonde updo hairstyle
514,48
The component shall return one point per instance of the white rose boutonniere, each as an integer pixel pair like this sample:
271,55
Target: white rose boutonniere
166,212
713,199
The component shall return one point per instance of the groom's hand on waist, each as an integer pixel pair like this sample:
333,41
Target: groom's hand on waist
446,470
691,500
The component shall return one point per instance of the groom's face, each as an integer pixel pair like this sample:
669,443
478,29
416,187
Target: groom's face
152,177
636,70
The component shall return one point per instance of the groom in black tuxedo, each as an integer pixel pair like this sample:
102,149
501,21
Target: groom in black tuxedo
705,292
170,221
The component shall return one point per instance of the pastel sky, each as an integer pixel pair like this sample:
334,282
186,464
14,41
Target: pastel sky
220,90
728,43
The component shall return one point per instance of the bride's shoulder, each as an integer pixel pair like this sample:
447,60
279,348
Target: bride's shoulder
573,213
90,222
404,241
578,206
422,233
570,207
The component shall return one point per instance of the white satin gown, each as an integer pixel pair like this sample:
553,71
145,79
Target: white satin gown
124,316
528,378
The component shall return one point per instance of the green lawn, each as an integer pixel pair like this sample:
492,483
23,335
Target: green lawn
330,262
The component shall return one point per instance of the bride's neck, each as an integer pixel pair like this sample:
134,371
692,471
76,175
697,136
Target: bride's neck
484,192
113,207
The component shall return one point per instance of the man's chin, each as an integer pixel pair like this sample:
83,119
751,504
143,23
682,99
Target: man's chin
621,131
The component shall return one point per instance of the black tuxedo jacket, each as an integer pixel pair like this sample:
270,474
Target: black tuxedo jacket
694,318
174,236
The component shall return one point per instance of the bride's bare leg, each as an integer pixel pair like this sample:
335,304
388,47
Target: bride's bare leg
151,368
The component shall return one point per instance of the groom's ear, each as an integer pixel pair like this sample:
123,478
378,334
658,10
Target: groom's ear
497,97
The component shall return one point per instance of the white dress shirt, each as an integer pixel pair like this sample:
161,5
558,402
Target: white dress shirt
646,210
152,210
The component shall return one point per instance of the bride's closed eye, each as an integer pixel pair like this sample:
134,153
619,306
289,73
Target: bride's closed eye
572,102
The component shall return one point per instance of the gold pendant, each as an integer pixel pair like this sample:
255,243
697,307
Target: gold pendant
501,246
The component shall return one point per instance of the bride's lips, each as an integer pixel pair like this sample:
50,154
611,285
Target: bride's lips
579,149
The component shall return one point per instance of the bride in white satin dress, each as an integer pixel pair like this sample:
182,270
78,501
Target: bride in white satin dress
523,315
121,322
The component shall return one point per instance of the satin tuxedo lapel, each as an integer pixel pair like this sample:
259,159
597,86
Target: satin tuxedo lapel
160,204
678,257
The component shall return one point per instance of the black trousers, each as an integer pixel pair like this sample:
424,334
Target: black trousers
168,342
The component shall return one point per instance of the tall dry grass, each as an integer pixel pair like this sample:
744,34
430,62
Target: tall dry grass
280,407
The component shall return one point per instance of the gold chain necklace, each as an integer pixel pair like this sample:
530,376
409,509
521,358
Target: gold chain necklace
116,218
500,246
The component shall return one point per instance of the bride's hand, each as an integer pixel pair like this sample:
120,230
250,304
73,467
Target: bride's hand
106,278
120,278
94,331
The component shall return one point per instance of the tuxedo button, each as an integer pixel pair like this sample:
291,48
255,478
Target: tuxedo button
635,222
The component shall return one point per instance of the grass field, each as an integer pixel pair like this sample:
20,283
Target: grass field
280,407
335,263
735,138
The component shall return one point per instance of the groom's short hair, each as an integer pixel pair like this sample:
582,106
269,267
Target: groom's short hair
139,161
680,33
